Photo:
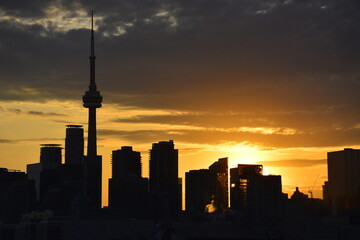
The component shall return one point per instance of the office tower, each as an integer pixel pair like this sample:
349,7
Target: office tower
164,180
197,190
50,155
128,191
74,144
257,196
342,188
45,173
93,163
72,172
17,195
125,162
219,183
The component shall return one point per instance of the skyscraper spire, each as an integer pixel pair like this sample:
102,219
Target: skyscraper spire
93,163
92,21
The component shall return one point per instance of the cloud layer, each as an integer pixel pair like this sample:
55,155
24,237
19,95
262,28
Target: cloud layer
277,73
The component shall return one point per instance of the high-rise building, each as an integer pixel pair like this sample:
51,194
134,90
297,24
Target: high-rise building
164,180
50,155
342,188
207,189
17,195
74,144
93,162
219,183
126,162
59,185
128,191
45,173
257,196
197,190
72,173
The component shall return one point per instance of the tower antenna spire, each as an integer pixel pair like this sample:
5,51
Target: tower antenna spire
92,20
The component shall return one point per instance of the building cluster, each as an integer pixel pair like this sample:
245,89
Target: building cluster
254,195
64,188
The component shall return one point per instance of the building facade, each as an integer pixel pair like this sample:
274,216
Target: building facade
128,191
257,196
17,195
74,144
219,184
197,190
163,182
342,190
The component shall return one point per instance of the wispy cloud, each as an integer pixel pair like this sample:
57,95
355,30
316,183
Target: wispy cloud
295,163
36,113
40,113
15,141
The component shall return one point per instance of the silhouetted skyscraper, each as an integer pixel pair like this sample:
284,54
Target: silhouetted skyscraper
197,190
74,144
219,183
17,195
93,163
128,191
126,162
257,196
50,155
45,172
342,190
164,180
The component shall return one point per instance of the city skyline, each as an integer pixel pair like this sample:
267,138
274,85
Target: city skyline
223,86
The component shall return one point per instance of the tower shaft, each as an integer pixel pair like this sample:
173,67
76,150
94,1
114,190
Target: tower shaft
92,147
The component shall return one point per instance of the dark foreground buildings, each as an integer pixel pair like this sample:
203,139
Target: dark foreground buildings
219,183
128,191
257,196
163,184
46,173
207,189
17,195
197,190
342,190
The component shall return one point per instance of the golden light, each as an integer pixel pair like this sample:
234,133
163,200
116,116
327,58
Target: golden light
244,153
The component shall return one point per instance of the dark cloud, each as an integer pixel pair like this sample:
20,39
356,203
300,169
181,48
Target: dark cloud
24,8
36,113
15,110
295,163
40,113
6,141
42,140
292,64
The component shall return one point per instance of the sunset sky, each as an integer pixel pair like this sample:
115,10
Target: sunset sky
274,82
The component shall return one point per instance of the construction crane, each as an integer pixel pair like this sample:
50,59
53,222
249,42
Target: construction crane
312,188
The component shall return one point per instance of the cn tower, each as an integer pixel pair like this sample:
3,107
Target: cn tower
93,163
